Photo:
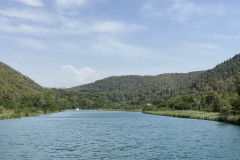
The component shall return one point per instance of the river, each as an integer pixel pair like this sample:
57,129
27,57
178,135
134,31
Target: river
116,135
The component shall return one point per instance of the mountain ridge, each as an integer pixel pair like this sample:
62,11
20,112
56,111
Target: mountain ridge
136,83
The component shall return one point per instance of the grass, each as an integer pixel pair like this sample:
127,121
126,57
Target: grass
213,116
10,114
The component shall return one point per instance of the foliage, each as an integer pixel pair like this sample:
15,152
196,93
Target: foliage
138,84
1,109
214,90
213,116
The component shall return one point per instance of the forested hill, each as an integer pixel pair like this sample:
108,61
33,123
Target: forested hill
212,90
12,81
138,84
24,96
217,89
221,78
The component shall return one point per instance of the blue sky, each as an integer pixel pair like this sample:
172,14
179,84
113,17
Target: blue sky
64,43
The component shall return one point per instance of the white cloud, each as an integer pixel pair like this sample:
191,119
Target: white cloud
182,10
35,3
68,3
27,15
22,28
110,46
113,27
25,42
45,23
65,76
18,14
31,43
108,26
77,76
202,45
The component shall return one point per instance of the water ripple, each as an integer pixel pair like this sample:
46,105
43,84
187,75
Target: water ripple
116,135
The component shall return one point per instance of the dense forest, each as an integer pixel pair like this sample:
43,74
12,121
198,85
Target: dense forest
216,90
138,84
212,90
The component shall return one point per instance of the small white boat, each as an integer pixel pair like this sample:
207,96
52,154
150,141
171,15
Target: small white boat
77,109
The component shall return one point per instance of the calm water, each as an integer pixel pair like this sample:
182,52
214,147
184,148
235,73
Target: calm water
116,135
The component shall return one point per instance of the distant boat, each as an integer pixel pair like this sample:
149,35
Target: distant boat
77,109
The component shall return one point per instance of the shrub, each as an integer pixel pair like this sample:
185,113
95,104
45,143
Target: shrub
226,109
1,109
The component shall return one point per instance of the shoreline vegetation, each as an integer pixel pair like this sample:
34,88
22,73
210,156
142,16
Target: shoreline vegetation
203,115
11,114
190,114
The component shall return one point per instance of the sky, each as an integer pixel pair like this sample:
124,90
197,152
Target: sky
65,43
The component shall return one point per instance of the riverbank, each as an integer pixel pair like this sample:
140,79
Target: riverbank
212,116
10,114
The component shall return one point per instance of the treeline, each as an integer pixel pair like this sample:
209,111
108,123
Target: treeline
138,84
216,90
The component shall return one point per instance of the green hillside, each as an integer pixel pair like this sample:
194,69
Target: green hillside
211,90
20,95
14,81
15,86
138,84
221,78
214,90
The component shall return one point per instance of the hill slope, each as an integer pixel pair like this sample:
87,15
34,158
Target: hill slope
21,95
138,84
221,78
14,86
211,90
15,82
215,90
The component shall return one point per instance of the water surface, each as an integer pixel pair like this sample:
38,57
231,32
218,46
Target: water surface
116,135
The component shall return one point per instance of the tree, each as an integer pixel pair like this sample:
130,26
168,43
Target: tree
238,84
236,102
1,109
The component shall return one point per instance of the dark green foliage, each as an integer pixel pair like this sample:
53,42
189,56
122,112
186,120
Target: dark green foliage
222,78
212,90
1,109
16,90
236,102
138,84
14,82
20,93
